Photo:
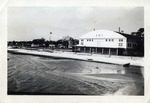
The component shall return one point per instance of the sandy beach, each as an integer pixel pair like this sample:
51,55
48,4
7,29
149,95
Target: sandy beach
38,75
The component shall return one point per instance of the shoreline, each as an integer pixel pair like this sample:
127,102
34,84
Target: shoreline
116,60
117,84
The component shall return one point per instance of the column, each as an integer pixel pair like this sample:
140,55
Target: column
109,51
84,49
102,50
117,52
96,50
90,50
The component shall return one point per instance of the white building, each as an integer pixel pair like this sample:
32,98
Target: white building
107,42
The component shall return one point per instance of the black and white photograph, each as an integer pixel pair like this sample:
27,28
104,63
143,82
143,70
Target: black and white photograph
75,50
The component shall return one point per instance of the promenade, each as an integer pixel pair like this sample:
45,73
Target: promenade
119,60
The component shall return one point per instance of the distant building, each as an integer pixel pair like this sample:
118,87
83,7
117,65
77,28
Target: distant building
69,41
66,42
108,42
35,45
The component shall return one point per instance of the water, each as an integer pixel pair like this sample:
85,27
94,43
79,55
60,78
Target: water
40,75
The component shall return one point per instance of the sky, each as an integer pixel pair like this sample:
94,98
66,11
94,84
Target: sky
30,22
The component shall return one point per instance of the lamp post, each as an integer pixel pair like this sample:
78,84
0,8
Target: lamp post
50,36
50,39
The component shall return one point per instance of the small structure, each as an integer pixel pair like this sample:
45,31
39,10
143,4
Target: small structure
35,45
107,42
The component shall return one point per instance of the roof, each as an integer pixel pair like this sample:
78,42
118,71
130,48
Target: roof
102,34
129,35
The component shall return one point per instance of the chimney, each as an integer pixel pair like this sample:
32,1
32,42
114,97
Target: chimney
119,29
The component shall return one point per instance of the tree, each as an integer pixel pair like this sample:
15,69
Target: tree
140,32
38,41
140,35
14,43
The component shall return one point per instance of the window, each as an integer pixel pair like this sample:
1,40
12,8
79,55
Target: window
99,34
120,44
134,45
110,40
82,43
120,40
89,39
129,45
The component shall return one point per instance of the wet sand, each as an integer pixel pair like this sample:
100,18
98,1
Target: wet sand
45,76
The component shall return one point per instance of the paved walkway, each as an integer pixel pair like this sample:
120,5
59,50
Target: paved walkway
120,60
